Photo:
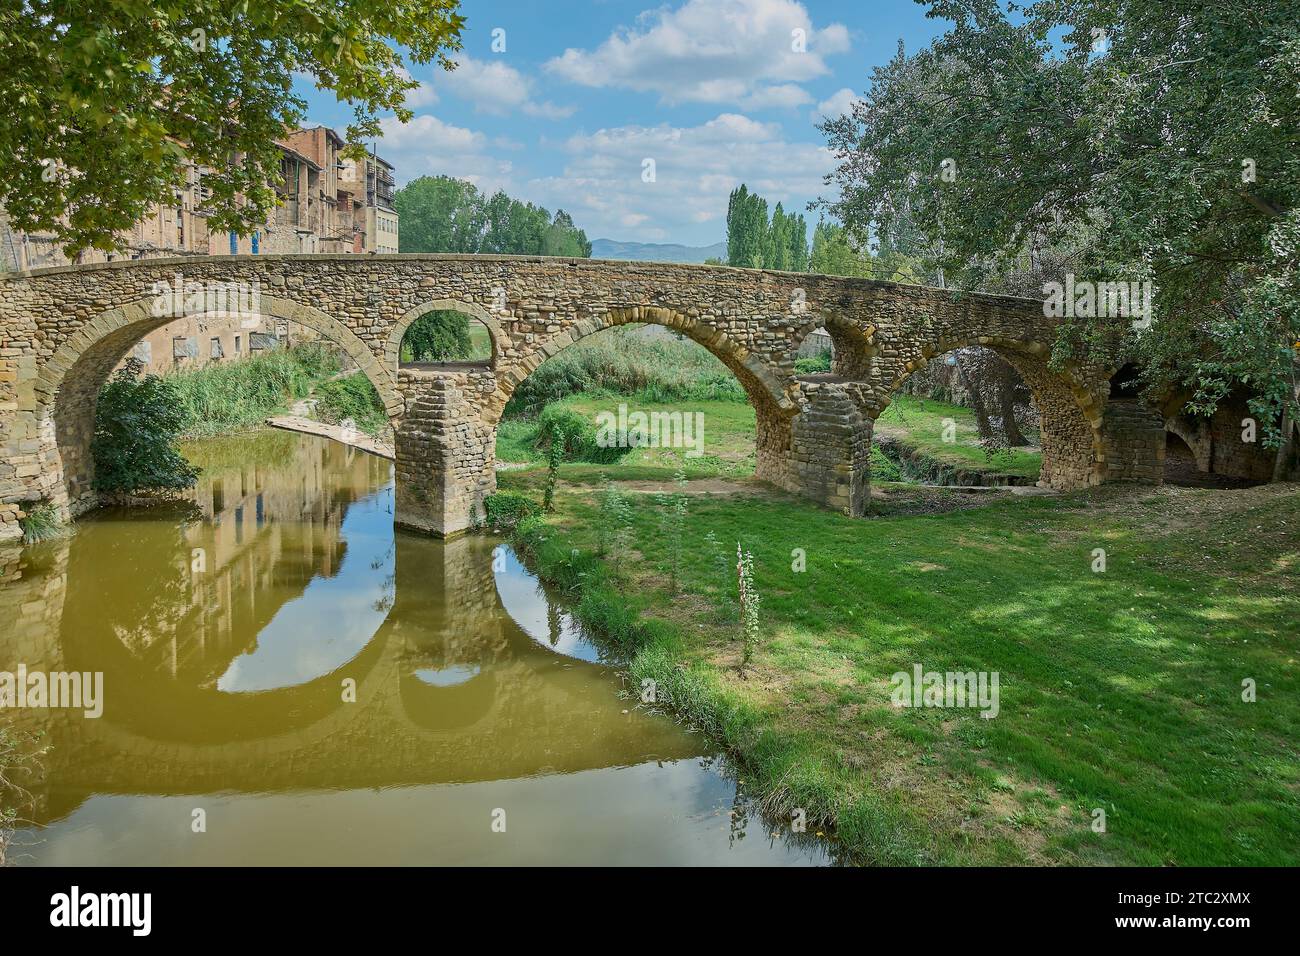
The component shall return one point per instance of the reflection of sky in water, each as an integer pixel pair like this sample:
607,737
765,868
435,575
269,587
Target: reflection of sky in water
335,617
659,813
447,676
522,597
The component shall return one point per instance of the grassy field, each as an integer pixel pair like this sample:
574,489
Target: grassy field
1120,690
729,434
727,445
920,422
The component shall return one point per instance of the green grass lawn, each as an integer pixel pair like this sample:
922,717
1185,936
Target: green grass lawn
480,342
1120,690
727,447
919,422
729,433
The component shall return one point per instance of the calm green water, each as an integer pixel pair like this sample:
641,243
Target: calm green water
287,675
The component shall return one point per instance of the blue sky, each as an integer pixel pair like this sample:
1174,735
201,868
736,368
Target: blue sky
715,92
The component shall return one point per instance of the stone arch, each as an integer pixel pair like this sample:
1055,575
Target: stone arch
1070,413
854,347
67,385
446,442
761,382
393,347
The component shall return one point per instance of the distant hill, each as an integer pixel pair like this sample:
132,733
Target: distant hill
656,251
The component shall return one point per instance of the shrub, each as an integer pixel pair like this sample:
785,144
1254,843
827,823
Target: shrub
42,523
438,336
507,509
354,397
136,425
625,361
883,468
579,436
813,364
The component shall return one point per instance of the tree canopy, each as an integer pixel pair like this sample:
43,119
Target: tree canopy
1137,142
106,102
755,242
438,336
445,214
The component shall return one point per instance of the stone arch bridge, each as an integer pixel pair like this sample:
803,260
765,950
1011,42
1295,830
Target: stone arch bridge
63,330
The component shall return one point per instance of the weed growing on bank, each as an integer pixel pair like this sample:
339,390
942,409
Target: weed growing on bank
234,396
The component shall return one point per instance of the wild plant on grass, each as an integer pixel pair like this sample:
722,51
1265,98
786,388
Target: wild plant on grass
674,527
749,601
562,433
614,524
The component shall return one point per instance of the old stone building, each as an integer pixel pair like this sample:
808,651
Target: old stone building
370,182
332,232
326,205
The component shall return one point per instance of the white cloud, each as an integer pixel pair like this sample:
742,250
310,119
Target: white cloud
695,169
837,104
423,95
492,86
428,146
749,52
784,95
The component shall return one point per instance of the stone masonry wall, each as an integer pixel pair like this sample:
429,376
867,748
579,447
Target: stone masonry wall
1134,441
63,330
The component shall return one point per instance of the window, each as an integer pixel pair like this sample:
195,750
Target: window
215,350
184,347
237,345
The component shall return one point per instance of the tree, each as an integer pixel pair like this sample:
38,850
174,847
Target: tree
834,255
563,238
755,243
798,261
746,229
438,336
444,214
137,421
440,214
778,256
106,103
1163,138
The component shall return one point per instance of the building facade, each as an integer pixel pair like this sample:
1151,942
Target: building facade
370,183
327,204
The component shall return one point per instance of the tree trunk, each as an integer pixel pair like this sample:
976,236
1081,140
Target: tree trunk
1007,399
1283,458
976,400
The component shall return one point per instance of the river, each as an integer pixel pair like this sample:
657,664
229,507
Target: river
286,680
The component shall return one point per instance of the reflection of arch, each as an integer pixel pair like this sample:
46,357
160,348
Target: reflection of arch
764,388
67,386
393,350
442,709
1070,414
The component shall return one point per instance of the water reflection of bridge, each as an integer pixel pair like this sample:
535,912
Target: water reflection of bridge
448,688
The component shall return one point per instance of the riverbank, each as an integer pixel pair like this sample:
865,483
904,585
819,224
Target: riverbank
339,433
1105,676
